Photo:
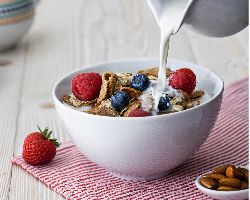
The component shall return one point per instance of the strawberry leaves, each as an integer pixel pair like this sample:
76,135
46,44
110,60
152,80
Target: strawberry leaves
47,134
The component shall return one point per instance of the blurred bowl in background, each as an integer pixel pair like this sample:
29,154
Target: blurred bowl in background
16,17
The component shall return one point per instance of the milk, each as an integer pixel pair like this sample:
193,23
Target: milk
169,21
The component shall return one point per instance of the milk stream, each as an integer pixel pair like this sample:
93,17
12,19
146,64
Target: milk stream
169,21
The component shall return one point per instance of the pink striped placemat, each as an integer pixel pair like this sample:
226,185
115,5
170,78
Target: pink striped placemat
74,177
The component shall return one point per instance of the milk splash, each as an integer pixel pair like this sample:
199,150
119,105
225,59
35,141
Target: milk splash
169,21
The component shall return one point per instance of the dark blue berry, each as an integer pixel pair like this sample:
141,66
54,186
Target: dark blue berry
119,100
164,103
140,82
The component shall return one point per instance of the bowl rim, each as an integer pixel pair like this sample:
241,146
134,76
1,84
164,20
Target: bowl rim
215,192
58,102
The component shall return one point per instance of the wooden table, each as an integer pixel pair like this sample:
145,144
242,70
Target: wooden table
68,35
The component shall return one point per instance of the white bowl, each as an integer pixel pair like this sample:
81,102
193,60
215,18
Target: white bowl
11,34
141,148
16,18
222,195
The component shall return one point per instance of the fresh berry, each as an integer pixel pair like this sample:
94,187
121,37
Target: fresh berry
140,82
86,86
39,148
183,79
138,113
119,100
164,103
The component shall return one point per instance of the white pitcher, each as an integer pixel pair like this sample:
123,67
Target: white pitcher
214,18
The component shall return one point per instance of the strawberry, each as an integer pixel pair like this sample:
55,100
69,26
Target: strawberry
183,79
138,113
39,148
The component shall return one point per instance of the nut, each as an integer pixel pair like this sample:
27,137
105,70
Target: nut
239,173
215,176
231,182
244,185
246,176
231,171
226,188
208,183
220,170
245,173
242,173
226,178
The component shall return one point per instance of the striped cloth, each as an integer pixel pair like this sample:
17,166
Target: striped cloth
74,177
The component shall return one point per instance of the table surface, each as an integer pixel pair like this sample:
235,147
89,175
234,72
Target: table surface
67,35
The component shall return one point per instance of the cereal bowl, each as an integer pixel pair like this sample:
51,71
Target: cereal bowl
141,148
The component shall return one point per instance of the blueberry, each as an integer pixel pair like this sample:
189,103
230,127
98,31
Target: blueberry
119,100
140,82
164,103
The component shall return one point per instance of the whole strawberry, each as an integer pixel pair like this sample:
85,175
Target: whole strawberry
183,79
39,148
86,86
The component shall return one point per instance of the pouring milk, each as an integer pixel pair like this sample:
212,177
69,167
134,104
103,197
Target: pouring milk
230,18
169,20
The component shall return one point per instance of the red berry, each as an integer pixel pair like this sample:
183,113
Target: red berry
38,148
86,86
183,79
138,113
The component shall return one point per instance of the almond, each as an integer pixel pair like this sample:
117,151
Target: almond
220,170
231,171
215,176
208,183
244,185
242,173
239,173
231,182
226,188
246,175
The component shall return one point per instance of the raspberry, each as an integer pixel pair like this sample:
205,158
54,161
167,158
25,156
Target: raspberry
183,79
86,86
138,113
